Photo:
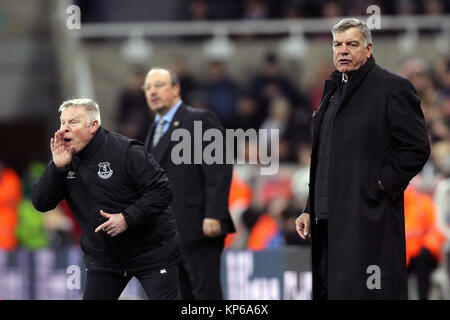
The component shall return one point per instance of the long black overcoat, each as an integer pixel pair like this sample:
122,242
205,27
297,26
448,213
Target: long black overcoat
378,133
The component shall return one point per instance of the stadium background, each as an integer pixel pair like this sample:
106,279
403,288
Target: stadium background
256,64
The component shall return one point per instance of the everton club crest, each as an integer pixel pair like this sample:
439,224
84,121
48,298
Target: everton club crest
104,170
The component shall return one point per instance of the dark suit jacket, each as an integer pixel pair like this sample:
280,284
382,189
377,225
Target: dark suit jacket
200,190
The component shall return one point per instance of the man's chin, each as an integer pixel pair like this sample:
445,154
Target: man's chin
344,69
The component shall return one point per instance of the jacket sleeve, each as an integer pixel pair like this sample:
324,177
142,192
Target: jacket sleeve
152,184
217,177
307,207
412,147
49,190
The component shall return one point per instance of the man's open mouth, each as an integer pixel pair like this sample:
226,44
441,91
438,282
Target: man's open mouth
67,139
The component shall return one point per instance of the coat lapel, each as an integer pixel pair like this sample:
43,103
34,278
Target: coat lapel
163,144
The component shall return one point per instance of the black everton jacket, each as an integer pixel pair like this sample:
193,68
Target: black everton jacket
115,174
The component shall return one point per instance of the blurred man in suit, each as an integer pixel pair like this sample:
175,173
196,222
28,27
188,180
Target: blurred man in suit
200,201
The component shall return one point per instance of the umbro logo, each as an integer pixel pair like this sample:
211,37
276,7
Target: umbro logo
70,175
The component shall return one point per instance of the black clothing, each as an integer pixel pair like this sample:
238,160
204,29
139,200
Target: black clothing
378,133
322,280
158,284
422,266
115,174
323,157
201,255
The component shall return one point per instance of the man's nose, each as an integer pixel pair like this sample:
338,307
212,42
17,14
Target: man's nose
344,50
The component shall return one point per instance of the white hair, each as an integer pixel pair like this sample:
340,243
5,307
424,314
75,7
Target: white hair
90,105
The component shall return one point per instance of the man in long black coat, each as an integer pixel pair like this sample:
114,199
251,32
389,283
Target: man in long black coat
200,190
369,140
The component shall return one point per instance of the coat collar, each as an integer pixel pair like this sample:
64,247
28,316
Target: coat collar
93,145
163,144
355,79
355,75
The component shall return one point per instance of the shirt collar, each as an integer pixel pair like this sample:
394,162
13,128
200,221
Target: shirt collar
169,115
343,78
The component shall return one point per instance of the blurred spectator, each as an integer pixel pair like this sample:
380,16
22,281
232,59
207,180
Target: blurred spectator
290,10
276,227
434,102
225,10
266,233
406,7
199,10
269,83
59,228
31,232
247,116
221,92
424,240
256,10
91,11
240,199
433,7
324,69
56,229
10,197
275,187
188,85
197,100
280,118
441,198
300,178
441,74
133,115
331,9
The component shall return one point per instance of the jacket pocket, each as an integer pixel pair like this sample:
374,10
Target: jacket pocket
374,194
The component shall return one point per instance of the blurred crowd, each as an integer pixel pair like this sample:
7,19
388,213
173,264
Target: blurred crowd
200,10
264,208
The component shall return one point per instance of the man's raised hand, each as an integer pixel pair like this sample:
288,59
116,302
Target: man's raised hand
61,152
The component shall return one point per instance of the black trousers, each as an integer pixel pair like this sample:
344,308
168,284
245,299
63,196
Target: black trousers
158,284
322,234
200,269
422,266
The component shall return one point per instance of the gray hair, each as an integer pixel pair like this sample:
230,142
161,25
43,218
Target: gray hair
348,23
90,105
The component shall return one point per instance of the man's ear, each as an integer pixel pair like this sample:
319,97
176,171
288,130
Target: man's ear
94,127
177,89
369,50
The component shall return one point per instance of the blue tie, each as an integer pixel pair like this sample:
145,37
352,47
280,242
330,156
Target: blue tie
159,131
